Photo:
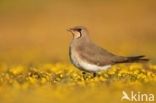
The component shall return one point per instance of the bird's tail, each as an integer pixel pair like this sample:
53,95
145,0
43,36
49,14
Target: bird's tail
140,58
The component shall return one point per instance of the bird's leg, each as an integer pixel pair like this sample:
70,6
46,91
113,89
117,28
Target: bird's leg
84,75
94,74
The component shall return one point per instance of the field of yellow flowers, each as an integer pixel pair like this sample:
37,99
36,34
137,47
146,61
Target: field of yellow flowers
63,83
34,48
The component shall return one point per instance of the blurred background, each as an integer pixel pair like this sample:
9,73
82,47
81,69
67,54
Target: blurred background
35,30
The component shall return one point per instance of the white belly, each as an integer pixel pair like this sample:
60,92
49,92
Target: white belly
93,68
78,62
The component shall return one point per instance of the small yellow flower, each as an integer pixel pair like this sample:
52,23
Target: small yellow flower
32,80
17,70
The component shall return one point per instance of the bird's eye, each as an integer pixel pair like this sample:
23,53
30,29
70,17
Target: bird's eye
79,30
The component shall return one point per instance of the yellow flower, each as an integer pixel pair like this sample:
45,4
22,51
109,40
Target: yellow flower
17,70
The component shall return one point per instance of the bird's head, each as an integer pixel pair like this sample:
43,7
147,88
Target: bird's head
78,32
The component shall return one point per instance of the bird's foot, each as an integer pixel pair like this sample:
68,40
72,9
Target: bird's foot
84,75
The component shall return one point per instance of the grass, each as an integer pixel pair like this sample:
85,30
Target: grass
63,83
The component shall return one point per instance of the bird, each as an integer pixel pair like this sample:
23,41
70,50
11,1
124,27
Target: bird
89,57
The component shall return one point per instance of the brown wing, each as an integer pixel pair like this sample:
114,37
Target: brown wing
96,55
